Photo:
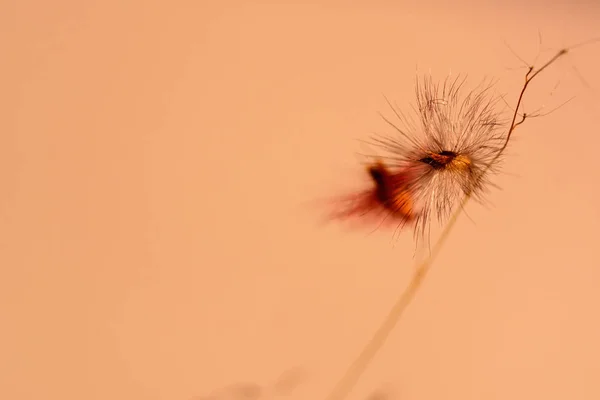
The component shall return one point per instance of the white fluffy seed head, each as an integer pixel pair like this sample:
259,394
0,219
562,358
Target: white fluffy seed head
448,141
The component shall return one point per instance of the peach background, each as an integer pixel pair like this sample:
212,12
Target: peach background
156,160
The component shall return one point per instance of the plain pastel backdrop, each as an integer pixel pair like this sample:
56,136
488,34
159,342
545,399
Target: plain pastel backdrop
156,163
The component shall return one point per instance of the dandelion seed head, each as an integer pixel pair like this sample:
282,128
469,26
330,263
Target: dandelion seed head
438,153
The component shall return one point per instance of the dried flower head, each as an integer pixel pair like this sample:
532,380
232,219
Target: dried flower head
427,167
